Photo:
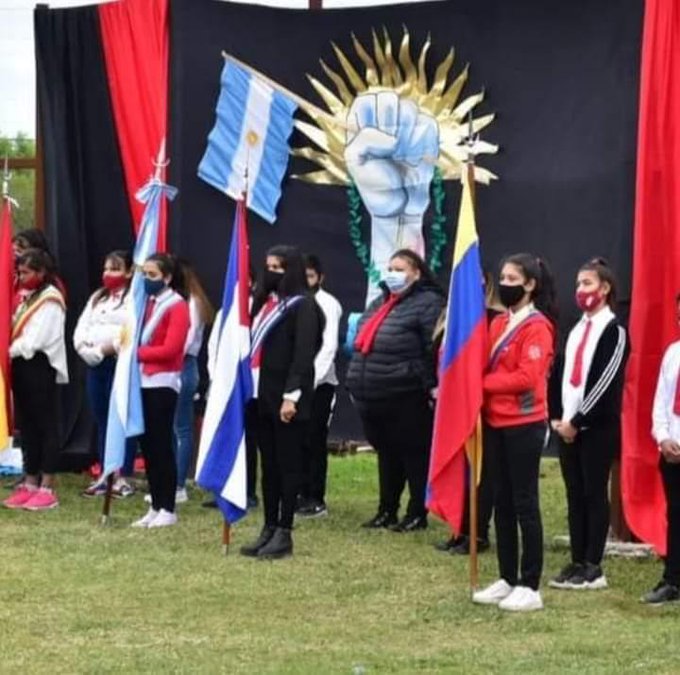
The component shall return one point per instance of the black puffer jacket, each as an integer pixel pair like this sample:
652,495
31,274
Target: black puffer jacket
401,360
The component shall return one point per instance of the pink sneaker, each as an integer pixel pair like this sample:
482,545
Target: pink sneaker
41,500
19,496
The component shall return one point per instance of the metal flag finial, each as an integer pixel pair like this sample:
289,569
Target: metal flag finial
6,177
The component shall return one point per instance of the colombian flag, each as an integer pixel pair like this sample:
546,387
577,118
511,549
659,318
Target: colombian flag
6,276
461,369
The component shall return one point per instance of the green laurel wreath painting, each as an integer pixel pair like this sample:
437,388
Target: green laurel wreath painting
438,238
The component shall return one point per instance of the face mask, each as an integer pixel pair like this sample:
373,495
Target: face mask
153,286
31,283
510,295
272,280
395,281
588,300
112,282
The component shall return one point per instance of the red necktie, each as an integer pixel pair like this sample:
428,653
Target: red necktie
577,370
148,311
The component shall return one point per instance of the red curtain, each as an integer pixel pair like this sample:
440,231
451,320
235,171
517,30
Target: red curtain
656,265
135,41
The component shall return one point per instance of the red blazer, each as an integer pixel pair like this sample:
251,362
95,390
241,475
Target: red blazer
516,390
164,353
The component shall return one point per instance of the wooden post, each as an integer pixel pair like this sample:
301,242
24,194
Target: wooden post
226,537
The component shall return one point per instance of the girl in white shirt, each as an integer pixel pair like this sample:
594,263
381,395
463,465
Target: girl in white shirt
96,336
38,354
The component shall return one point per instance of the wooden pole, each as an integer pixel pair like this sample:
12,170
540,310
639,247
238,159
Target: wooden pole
106,511
226,537
474,473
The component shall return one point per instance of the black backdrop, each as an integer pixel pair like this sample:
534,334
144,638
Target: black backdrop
562,78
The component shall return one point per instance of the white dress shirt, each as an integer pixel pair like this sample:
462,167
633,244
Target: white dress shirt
324,363
572,397
665,423
100,325
44,332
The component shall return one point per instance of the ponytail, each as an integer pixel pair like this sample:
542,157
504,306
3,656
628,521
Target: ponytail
544,295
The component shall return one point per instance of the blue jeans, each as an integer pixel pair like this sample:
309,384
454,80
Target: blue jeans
99,383
184,419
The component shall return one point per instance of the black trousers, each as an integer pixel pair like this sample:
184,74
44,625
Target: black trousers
484,503
514,455
34,387
157,446
586,464
400,430
251,422
671,483
315,448
281,451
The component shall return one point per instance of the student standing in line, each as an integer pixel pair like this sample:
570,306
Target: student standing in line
161,358
589,422
666,432
515,415
313,491
96,338
38,353
287,331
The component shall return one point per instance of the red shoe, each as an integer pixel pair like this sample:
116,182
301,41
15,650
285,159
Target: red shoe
41,500
19,496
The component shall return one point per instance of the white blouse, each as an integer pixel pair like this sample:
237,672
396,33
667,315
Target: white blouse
99,326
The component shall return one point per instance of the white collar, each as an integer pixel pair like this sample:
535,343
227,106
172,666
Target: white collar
601,318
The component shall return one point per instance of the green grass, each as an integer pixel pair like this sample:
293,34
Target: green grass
79,598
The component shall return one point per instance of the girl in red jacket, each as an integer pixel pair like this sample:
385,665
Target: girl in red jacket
515,413
161,357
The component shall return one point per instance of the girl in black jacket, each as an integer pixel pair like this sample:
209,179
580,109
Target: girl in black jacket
391,376
286,335
588,422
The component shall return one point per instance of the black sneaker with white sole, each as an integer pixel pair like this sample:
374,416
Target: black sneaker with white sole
661,594
591,578
563,579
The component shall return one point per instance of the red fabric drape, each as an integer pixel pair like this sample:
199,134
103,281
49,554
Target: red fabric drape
656,265
135,41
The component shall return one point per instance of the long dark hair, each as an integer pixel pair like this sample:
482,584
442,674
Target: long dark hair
600,266
168,266
195,289
294,280
427,276
32,237
39,261
544,295
124,257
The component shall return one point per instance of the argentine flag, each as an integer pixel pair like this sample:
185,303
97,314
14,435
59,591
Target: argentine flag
126,419
254,123
221,465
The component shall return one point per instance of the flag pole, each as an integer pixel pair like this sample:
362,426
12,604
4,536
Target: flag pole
475,441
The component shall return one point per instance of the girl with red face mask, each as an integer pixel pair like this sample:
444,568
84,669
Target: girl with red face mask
588,423
38,354
95,339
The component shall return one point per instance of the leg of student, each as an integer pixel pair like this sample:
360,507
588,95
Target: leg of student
525,445
317,442
507,548
484,501
99,381
288,439
671,482
23,389
49,424
184,419
571,463
417,439
271,482
251,447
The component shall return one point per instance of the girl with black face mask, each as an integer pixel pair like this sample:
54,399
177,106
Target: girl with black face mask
515,414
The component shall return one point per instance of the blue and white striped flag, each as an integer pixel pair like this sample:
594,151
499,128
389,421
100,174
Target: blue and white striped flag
221,466
126,418
254,123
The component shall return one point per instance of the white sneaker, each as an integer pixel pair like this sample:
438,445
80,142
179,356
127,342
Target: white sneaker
163,519
147,499
146,520
522,599
492,595
181,496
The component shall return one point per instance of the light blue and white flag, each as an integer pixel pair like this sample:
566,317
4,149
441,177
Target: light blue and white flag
221,465
254,123
126,418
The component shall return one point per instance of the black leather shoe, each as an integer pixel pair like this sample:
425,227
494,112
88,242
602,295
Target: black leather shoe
279,546
447,545
251,550
410,524
463,546
380,520
662,593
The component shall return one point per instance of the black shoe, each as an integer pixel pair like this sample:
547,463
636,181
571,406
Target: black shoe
209,504
279,546
663,592
253,502
590,578
251,550
380,520
446,546
463,546
313,509
563,579
410,524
